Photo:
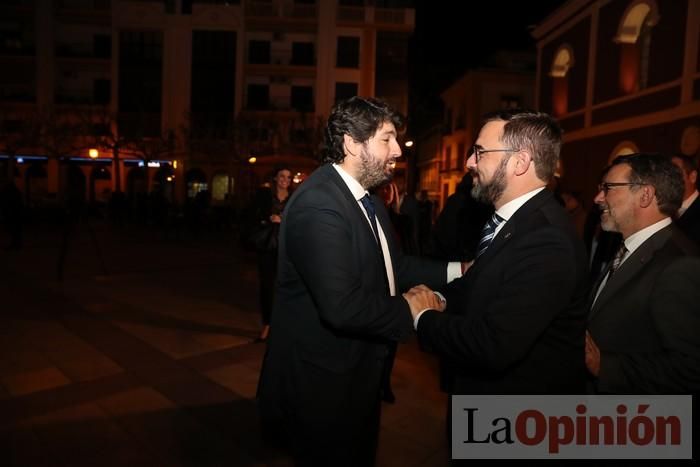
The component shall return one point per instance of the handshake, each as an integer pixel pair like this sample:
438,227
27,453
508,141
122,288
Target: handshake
421,298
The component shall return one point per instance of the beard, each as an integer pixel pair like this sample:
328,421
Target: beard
373,171
607,221
490,192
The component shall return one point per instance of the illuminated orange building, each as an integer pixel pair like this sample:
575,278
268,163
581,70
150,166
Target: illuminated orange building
622,76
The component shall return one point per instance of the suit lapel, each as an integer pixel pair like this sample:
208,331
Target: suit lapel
690,214
382,217
630,267
510,227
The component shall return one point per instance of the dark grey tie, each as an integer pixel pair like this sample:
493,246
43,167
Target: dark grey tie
617,260
487,233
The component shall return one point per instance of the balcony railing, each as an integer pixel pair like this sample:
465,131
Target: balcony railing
65,97
81,51
17,93
389,16
275,9
16,48
261,9
293,10
84,4
351,13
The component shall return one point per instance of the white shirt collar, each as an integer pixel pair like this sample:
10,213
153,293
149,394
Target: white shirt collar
636,239
687,202
355,188
507,210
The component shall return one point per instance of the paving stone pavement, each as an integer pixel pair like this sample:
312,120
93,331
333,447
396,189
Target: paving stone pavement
143,355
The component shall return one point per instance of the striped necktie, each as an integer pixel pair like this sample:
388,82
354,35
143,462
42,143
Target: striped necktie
488,232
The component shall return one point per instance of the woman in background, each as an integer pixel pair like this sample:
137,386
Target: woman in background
268,207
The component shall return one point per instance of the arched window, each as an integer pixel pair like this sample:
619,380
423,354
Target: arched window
623,149
563,61
634,37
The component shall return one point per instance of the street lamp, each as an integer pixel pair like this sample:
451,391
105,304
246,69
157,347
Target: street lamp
93,153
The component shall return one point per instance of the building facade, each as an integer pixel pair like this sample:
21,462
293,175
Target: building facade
622,76
443,148
184,96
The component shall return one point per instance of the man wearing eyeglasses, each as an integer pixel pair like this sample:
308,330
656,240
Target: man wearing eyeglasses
644,324
515,322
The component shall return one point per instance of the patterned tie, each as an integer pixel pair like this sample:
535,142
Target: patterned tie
488,232
368,204
617,260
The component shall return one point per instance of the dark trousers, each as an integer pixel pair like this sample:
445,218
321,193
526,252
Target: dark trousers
267,273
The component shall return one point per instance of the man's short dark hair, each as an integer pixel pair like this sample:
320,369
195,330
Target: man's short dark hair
660,172
537,132
358,117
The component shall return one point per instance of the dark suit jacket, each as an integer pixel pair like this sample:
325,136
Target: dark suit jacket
515,322
332,321
689,222
646,320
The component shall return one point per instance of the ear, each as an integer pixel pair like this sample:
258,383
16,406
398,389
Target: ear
523,159
693,177
350,145
647,195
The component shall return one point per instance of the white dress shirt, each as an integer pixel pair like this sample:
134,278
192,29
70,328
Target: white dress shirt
633,242
454,269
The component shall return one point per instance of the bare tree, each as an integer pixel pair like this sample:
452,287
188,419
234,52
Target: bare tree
60,135
18,133
102,130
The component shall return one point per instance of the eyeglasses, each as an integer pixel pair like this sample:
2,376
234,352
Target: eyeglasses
605,187
478,151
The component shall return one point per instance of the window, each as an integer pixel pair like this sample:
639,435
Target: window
258,96
102,45
140,75
446,159
302,53
259,52
461,154
261,135
212,99
348,52
460,120
634,36
563,61
221,187
447,127
623,149
510,102
302,98
345,91
101,90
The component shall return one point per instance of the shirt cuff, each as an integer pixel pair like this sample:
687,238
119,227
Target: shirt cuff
415,321
454,270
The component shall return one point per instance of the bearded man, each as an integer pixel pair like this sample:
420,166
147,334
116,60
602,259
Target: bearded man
339,302
515,322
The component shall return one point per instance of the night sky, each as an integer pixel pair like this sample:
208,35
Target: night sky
446,43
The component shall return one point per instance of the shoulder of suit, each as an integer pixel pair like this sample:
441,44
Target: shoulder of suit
680,241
